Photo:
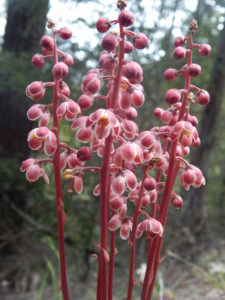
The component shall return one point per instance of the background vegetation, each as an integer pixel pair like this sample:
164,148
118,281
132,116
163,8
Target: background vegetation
28,237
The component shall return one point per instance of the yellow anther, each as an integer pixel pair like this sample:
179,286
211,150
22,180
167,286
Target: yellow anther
104,120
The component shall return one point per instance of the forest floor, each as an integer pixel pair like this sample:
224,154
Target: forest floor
178,279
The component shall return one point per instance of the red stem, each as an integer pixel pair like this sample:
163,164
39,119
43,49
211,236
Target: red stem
111,264
58,186
170,181
104,182
133,235
150,256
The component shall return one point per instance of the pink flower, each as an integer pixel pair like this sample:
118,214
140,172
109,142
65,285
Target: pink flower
42,137
130,152
192,176
69,159
104,122
69,110
125,229
151,226
38,111
125,179
115,222
185,132
33,170
35,90
84,134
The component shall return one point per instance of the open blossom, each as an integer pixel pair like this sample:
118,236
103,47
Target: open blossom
151,226
77,181
39,111
185,132
69,110
69,159
125,226
104,122
42,138
129,152
84,134
33,170
120,182
192,176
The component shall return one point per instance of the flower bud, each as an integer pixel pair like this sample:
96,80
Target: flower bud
125,231
47,42
137,98
133,72
103,25
64,89
179,53
35,90
118,185
194,70
140,41
109,42
114,223
60,70
204,50
68,60
179,41
150,183
177,202
85,102
91,84
116,203
203,97
107,61
126,18
128,47
170,74
65,33
172,96
84,154
158,112
38,60
131,113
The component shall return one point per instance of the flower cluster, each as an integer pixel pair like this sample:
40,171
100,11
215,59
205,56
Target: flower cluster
129,203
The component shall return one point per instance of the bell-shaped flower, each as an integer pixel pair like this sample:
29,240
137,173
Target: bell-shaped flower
130,129
69,110
151,226
39,111
69,159
84,134
104,122
42,138
77,180
129,152
185,133
126,179
125,229
33,170
192,176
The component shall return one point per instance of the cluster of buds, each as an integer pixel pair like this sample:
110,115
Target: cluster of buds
44,138
112,133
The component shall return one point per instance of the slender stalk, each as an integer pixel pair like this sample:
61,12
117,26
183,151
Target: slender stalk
104,181
111,264
170,180
58,186
159,246
133,235
148,273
